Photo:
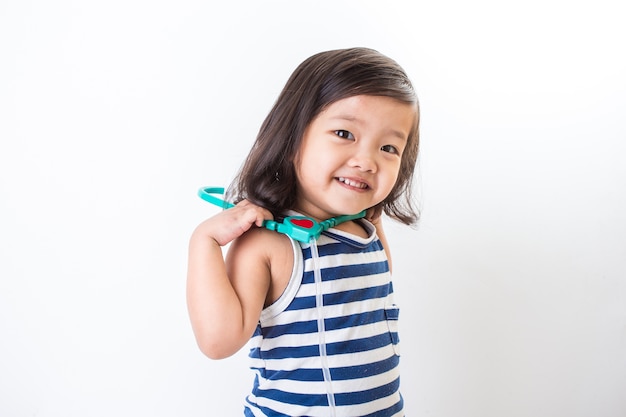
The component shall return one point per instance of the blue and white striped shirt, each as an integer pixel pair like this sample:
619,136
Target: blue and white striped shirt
361,336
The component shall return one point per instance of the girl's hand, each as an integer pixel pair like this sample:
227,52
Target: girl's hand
234,222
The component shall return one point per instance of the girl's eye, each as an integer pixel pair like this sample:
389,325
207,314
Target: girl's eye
390,149
344,134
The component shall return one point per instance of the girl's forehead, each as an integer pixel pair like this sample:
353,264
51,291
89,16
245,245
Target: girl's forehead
362,103
358,107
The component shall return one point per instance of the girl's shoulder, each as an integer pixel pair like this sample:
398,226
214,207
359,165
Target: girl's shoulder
261,241
269,253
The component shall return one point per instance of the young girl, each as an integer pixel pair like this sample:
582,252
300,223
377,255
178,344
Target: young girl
341,138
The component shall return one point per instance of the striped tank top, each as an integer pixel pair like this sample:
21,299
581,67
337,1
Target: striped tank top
360,338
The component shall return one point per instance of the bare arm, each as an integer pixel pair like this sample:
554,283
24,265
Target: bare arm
225,301
375,217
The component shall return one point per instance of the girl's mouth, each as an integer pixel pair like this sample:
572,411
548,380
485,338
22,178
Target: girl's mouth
353,183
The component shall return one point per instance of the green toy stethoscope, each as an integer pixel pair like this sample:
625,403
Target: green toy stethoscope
300,228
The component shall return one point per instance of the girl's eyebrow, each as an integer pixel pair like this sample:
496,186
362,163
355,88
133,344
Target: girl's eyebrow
398,134
355,119
348,117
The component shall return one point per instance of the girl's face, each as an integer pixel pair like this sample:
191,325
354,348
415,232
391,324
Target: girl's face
350,155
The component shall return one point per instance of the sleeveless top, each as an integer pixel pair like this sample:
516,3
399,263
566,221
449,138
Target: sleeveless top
361,338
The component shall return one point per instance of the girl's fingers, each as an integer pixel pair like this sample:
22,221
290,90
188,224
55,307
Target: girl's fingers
255,214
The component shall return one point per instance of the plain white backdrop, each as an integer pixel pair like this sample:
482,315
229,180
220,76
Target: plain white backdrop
112,114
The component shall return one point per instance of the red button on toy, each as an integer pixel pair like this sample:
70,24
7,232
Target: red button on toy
304,223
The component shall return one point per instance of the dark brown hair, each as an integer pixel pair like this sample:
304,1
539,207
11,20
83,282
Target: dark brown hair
268,176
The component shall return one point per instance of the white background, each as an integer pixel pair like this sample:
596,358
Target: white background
112,114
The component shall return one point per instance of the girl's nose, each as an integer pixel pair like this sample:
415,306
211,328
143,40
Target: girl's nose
364,161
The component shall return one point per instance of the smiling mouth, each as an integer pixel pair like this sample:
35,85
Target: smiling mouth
353,183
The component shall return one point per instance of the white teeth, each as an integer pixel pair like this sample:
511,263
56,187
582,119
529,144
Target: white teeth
351,183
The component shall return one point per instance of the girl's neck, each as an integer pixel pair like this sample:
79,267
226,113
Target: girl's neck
354,227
